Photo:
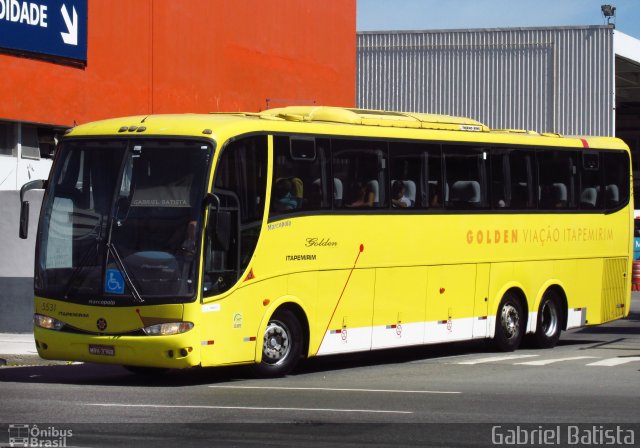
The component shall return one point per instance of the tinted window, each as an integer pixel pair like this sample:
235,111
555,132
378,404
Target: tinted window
513,179
415,173
360,173
616,179
299,175
465,185
557,173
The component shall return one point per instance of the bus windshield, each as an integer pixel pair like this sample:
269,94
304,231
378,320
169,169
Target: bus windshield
120,221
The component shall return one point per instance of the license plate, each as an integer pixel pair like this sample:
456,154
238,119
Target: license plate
102,350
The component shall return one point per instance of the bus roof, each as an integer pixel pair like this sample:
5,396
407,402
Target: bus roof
336,121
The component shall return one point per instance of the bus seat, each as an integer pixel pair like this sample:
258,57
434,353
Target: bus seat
337,192
466,192
589,197
373,187
559,195
519,195
411,191
612,194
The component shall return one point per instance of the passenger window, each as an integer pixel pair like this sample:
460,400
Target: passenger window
415,174
299,175
591,182
616,179
465,177
557,171
359,169
512,184
30,144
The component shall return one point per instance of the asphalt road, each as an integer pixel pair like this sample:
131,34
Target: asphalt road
445,395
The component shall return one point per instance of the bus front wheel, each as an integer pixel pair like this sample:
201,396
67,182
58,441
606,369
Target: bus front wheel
281,345
509,324
549,321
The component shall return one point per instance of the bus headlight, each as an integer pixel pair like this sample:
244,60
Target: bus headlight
47,322
168,329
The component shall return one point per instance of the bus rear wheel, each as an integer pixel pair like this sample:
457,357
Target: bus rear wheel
281,345
549,321
509,324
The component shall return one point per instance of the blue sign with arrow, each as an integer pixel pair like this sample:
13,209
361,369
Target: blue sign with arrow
48,27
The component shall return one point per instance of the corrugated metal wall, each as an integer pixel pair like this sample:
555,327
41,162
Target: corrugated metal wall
542,79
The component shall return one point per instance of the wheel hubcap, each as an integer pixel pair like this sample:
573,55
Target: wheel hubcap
276,345
510,320
549,319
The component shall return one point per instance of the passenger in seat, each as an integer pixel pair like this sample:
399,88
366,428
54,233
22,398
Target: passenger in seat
398,198
283,200
359,196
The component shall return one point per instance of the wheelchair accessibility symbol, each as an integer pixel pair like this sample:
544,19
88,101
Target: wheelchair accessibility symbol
114,283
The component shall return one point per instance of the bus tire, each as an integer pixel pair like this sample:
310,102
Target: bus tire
281,345
549,321
509,324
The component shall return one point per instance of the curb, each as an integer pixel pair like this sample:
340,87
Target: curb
27,360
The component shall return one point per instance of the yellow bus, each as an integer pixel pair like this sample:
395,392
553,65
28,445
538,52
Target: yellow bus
174,241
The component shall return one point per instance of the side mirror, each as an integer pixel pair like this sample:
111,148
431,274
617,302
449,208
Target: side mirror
24,220
24,205
219,222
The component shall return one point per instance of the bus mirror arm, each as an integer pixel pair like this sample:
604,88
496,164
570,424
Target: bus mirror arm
24,205
209,200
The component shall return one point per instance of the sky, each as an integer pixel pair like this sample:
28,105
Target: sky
384,15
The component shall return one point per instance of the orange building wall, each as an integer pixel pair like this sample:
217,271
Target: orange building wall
195,56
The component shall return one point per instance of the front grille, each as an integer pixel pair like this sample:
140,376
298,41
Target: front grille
74,330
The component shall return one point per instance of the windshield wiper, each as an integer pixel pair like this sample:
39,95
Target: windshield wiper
81,265
111,248
83,260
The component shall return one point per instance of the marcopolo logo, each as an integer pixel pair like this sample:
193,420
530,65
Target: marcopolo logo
34,436
101,324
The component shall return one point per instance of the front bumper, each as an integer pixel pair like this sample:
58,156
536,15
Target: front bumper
175,352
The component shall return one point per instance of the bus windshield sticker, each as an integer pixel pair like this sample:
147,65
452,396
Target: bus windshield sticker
114,282
161,196
60,241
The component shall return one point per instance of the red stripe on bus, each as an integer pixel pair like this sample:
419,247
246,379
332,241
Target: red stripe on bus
342,293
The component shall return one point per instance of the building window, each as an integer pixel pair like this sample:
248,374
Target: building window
8,143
